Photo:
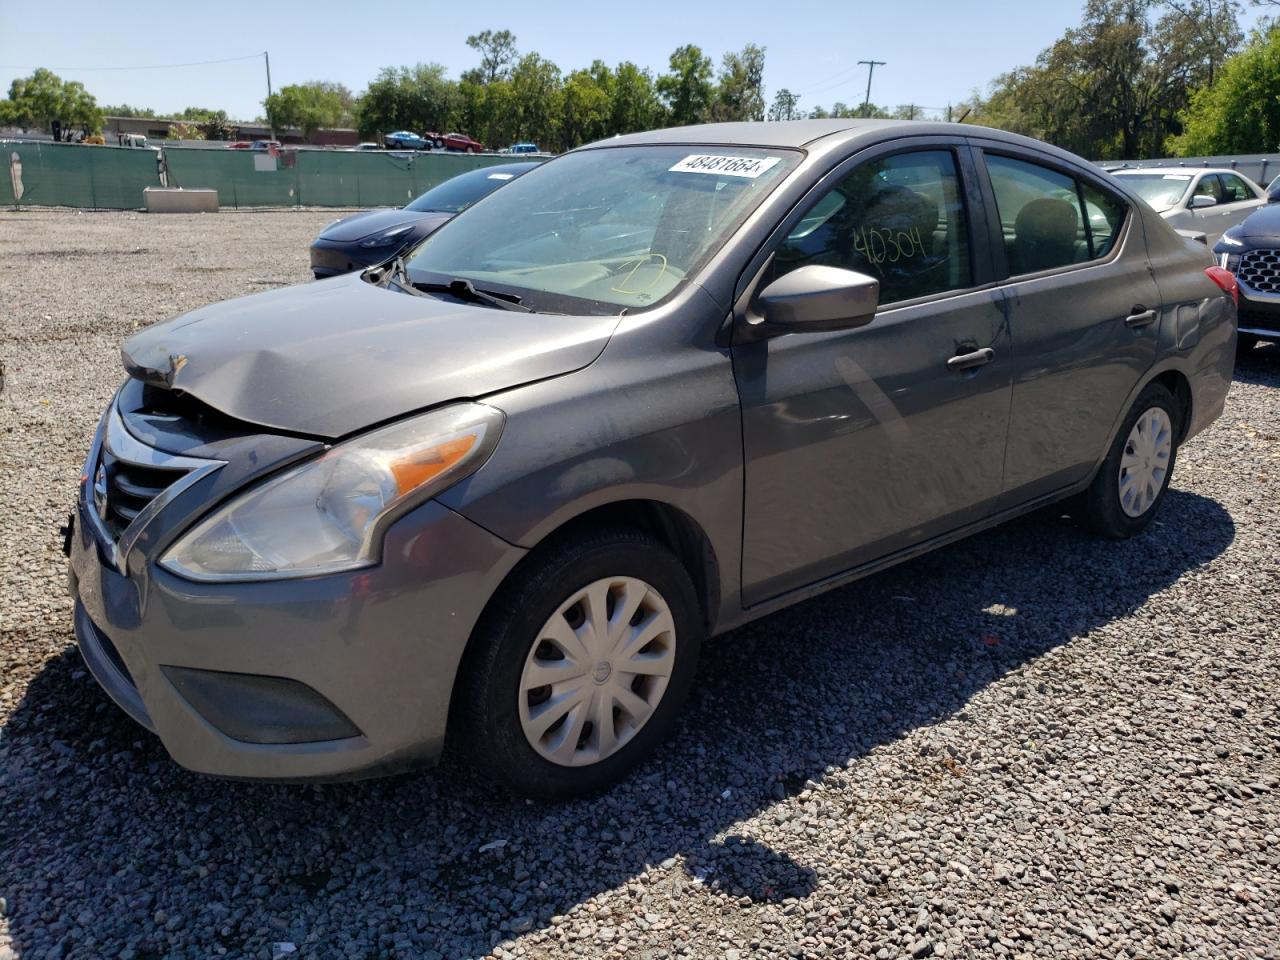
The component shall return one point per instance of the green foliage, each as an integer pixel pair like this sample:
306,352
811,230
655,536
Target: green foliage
419,98
1240,113
124,110
739,93
211,124
1116,85
687,90
37,101
307,106
497,54
182,130
786,106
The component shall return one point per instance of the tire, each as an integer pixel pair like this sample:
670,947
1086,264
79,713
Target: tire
473,149
1103,508
496,702
439,144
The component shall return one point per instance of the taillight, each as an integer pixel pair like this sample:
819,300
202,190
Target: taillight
1226,280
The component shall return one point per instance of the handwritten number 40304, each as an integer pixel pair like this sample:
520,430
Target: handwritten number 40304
887,246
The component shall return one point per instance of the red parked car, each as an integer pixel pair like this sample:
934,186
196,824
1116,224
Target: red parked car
460,141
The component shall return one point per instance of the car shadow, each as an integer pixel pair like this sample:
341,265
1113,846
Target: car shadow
106,840
1261,365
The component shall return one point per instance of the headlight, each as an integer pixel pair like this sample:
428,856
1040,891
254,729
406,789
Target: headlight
387,237
330,513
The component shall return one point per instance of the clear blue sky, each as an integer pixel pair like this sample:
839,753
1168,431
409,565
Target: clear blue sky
936,50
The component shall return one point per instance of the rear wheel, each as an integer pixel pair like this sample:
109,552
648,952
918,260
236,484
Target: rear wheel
1133,479
581,666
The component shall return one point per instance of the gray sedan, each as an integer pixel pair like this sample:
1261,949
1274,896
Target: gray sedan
1199,199
497,494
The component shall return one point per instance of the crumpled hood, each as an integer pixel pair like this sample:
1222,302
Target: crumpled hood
361,225
335,356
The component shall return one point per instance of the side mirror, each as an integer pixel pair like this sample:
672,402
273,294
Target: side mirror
817,298
1200,201
1273,193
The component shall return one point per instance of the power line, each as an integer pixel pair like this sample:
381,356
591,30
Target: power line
154,66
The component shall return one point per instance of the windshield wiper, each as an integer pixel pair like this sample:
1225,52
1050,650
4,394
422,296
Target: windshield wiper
397,271
463,289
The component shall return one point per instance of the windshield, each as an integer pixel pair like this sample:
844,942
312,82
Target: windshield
1161,190
460,192
613,227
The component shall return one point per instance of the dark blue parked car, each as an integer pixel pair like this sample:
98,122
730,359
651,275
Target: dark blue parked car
375,236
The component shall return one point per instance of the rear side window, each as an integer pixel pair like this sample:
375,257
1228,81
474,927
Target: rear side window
1049,219
899,219
1233,188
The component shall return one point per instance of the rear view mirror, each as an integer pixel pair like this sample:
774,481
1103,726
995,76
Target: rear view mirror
817,298
1199,201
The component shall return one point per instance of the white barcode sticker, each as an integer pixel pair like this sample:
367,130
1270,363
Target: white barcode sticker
749,167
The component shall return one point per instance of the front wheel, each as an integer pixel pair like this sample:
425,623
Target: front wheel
581,665
1133,479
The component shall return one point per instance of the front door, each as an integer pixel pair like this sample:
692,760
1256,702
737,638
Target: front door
862,442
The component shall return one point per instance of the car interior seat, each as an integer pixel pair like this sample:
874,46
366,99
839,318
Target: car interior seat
1045,234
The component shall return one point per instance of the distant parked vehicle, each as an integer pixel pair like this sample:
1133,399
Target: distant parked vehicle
239,145
265,145
359,147
460,141
375,236
523,148
1196,198
406,140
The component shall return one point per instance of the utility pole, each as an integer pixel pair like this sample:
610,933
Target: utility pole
266,57
871,72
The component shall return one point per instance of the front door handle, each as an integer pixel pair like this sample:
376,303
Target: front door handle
1141,317
968,361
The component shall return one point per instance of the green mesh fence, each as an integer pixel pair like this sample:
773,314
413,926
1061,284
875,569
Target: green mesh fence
73,175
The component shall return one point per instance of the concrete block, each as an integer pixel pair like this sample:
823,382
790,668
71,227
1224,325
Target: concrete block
178,200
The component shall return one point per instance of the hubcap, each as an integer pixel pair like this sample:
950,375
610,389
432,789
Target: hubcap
1144,465
597,670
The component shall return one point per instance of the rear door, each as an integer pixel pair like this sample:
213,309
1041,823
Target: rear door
860,443
1237,200
1083,310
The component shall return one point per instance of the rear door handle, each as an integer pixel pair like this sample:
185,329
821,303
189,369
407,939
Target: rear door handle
968,361
1141,317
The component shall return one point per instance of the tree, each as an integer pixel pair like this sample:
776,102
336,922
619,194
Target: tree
786,106
419,98
687,89
46,101
308,106
1115,86
212,124
634,105
536,98
584,114
497,53
739,93
124,110
1240,113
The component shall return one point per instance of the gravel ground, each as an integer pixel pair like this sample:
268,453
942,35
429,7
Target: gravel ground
1030,744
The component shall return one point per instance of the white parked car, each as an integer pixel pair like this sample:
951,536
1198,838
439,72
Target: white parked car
1199,199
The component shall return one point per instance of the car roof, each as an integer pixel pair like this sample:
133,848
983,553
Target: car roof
797,134
1188,171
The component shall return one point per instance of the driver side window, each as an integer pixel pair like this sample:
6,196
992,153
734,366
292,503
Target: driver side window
1207,187
899,219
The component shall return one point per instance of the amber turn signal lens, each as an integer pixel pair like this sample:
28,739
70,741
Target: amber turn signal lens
421,466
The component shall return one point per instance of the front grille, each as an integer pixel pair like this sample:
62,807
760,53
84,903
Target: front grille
1260,270
130,482
123,489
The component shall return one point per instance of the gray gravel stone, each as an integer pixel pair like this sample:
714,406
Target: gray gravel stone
1029,744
